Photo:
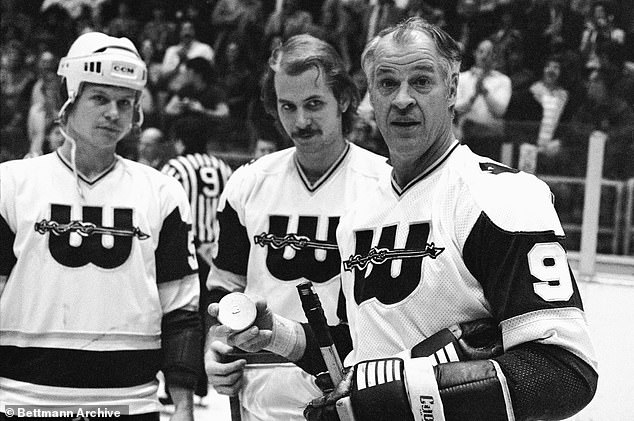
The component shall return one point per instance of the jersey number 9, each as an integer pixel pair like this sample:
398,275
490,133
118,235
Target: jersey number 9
547,262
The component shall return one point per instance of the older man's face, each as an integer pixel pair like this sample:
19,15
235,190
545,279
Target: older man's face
410,97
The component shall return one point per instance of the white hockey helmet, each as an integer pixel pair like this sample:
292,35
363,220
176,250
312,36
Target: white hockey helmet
99,58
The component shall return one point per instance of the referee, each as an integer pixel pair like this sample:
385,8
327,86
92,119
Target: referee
203,177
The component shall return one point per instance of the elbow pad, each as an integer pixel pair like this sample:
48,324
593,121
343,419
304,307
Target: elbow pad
182,346
531,381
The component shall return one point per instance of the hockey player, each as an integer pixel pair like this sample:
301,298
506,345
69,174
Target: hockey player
97,268
449,237
278,217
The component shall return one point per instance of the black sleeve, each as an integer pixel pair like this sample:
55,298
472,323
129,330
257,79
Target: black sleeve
233,243
181,335
545,382
7,238
173,253
504,271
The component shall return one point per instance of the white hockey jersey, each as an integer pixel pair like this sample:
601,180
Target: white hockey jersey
89,281
276,231
467,239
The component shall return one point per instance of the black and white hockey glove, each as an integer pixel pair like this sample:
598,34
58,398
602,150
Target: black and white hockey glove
409,386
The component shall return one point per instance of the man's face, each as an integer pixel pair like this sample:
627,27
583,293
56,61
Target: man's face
410,97
148,147
484,55
552,71
308,110
188,33
102,115
263,147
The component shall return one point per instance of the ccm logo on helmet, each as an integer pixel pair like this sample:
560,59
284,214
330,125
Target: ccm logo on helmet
123,68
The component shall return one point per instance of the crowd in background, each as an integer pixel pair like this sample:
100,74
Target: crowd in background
560,70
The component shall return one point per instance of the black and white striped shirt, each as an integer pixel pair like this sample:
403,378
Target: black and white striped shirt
203,177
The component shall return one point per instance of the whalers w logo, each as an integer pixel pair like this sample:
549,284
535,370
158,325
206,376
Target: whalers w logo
376,280
304,263
90,229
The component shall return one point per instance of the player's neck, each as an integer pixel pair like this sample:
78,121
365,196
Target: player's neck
315,163
409,167
90,162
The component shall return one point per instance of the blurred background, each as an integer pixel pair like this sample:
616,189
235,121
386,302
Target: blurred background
567,117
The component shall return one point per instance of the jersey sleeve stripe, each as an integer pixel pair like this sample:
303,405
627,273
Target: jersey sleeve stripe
7,238
234,245
173,254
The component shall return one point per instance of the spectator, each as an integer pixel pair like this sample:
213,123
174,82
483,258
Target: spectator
187,48
15,23
600,30
55,29
151,148
45,102
239,79
200,99
507,37
483,96
477,21
553,26
302,23
379,16
159,30
123,24
365,135
543,105
239,19
291,19
89,19
264,147
605,111
334,21
267,140
153,60
516,68
16,84
198,14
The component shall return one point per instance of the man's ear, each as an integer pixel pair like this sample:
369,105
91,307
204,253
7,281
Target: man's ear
452,91
344,103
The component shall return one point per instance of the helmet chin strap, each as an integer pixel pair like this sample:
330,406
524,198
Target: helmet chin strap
135,127
73,160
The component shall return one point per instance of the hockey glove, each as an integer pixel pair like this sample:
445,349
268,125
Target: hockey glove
380,390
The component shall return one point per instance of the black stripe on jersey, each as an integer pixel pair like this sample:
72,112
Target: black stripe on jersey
401,191
233,243
78,368
499,260
7,238
312,187
173,252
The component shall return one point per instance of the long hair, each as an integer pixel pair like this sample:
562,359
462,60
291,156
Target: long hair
297,55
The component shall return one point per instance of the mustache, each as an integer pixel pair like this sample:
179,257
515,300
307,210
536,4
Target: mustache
305,132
